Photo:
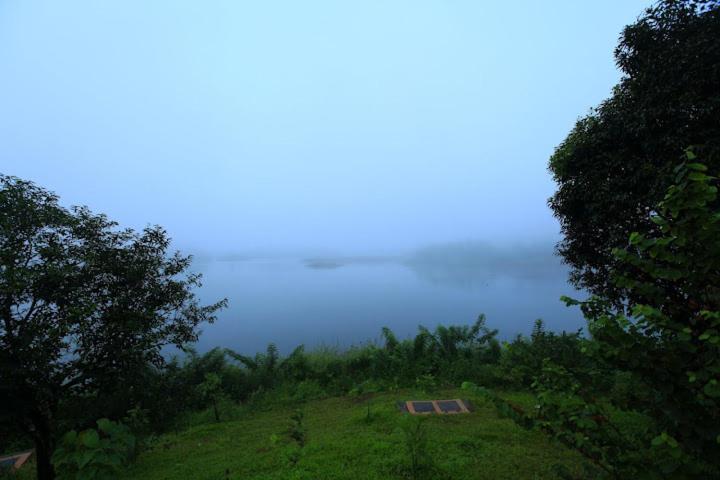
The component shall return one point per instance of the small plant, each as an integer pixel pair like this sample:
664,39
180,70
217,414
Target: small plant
364,391
306,390
211,390
427,383
416,442
98,454
297,432
295,439
137,420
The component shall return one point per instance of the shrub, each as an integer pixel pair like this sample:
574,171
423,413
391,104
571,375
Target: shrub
211,390
523,358
427,383
297,436
94,454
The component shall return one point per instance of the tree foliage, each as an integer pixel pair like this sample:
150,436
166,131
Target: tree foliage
84,307
617,163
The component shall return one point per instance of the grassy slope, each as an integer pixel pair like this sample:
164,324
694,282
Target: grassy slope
342,445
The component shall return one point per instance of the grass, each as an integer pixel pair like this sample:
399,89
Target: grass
342,443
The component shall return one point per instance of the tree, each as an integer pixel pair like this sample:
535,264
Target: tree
84,305
617,163
669,348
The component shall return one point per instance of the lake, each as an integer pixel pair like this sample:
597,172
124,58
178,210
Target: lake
292,301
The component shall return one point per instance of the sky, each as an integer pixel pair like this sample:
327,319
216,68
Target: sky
347,126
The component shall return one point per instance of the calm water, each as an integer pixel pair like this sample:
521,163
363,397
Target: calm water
292,301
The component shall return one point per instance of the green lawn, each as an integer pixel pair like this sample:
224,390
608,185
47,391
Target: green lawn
342,445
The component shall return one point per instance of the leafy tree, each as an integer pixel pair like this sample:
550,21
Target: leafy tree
669,347
84,306
617,163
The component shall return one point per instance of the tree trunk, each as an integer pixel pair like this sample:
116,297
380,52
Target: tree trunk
43,438
43,453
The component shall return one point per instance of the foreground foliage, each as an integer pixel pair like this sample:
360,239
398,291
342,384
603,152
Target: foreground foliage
94,454
668,350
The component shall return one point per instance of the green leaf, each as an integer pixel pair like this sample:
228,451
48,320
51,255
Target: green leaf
697,176
569,301
697,167
712,389
70,438
659,440
85,458
90,438
105,425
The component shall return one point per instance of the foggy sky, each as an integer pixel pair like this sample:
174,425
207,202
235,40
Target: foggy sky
351,126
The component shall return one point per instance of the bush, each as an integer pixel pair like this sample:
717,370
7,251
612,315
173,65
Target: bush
523,358
94,454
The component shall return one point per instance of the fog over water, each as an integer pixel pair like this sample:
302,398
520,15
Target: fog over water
340,301
311,154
